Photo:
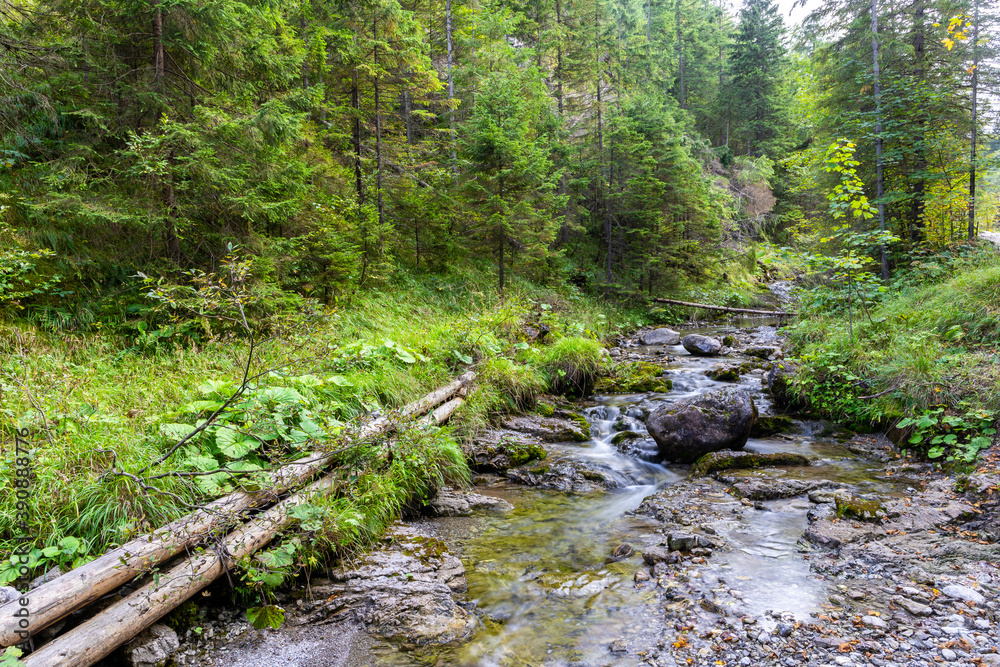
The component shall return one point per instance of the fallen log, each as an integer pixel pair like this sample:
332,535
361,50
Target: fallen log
81,586
95,639
725,309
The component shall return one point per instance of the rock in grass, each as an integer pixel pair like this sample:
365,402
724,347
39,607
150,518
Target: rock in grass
662,336
725,460
686,431
702,346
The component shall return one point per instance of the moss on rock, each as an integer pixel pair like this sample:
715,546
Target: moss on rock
634,377
730,460
622,436
767,425
853,507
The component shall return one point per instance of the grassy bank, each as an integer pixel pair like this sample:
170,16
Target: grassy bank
922,358
102,408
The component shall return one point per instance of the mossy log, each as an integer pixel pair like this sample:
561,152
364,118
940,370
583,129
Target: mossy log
83,585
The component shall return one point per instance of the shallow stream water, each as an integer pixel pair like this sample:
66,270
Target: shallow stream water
539,575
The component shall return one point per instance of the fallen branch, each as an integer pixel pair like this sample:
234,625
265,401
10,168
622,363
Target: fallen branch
54,600
98,637
91,641
724,309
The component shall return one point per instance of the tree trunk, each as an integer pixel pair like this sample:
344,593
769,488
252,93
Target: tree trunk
378,129
920,158
173,243
451,93
501,237
680,57
564,226
356,136
406,116
158,57
975,121
879,166
83,585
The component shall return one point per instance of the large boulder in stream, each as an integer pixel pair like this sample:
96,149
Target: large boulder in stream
718,420
662,336
702,346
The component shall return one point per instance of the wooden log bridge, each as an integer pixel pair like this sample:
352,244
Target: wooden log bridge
725,309
58,598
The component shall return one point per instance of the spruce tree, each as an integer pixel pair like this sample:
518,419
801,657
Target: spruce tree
757,64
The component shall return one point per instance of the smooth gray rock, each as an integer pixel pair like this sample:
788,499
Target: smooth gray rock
451,503
913,607
152,647
404,591
963,593
662,336
702,346
51,574
874,622
686,431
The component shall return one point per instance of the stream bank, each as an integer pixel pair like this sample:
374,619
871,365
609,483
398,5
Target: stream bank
600,555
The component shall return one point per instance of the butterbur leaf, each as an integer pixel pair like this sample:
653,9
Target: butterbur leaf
176,431
341,381
281,395
219,388
69,545
935,452
405,356
197,407
268,616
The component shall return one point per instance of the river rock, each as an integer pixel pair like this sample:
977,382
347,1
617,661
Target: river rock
834,534
963,593
152,647
702,346
550,429
496,450
404,591
779,386
452,503
686,431
654,555
762,485
662,336
913,607
572,475
688,542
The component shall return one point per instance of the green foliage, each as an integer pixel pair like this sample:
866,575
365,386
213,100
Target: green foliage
958,436
928,344
11,657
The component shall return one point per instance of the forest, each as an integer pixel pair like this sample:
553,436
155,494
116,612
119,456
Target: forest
232,231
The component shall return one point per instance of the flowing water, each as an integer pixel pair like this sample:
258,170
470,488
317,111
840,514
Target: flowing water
540,575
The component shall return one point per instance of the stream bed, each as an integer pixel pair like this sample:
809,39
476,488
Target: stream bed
540,577
588,571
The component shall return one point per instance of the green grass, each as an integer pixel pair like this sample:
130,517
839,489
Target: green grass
82,392
927,343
